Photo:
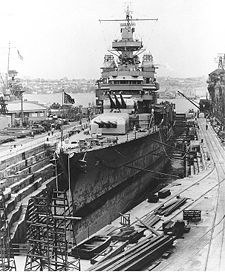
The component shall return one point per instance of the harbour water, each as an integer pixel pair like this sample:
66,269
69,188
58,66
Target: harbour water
84,99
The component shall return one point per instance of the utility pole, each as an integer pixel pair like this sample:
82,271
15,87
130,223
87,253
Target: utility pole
22,114
7,76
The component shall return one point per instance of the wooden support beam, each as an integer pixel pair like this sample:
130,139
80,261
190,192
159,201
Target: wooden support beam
62,217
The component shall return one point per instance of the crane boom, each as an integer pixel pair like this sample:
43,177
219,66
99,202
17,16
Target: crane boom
189,100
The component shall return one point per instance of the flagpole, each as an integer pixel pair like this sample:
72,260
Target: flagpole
62,96
7,77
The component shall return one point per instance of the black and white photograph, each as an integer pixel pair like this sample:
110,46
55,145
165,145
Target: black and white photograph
112,135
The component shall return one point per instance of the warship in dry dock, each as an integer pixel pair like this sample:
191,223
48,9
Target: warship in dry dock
128,137
216,88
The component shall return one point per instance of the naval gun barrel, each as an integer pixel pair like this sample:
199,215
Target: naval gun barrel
105,124
123,104
112,103
98,123
118,105
112,124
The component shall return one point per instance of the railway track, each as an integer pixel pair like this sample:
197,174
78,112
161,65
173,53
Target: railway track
211,248
216,250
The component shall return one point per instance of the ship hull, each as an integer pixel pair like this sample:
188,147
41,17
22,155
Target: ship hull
128,195
109,168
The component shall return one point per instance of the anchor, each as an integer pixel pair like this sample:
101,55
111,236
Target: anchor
83,163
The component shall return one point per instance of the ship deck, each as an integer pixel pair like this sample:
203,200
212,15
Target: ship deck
105,140
203,247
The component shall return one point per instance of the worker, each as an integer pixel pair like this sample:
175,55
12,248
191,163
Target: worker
206,126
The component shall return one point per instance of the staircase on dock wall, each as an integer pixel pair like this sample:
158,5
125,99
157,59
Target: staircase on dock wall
21,178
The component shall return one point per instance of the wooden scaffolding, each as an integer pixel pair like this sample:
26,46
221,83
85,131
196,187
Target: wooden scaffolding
7,261
50,233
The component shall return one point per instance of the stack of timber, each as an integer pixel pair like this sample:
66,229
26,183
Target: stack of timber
150,220
128,233
22,176
138,256
167,209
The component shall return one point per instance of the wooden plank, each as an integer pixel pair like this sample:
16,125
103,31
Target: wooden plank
113,253
110,262
149,256
148,227
138,253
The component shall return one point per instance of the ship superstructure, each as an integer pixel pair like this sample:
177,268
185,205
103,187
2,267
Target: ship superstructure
128,84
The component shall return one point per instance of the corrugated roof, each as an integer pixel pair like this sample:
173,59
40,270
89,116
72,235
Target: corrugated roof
15,106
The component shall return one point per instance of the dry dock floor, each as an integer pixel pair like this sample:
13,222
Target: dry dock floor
203,248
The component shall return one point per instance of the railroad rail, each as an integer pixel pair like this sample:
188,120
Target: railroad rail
208,249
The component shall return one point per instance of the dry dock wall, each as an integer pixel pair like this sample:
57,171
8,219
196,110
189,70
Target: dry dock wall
22,175
20,157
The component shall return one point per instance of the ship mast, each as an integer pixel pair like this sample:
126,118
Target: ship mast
128,19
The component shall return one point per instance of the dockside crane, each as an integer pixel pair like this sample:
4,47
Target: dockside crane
193,103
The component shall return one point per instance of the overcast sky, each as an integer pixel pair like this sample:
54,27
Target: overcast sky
63,38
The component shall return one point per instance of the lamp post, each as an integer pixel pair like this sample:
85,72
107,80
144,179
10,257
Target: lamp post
56,172
69,177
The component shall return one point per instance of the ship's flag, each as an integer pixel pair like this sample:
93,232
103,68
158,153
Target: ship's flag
68,99
19,55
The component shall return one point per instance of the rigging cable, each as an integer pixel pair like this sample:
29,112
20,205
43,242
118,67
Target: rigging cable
145,169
